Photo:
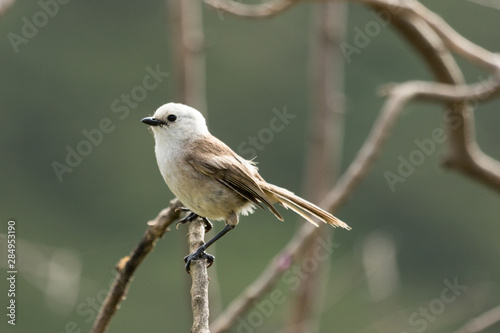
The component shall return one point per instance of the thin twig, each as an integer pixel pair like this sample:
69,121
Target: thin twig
199,275
129,264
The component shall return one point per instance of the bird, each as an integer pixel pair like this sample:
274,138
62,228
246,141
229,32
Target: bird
212,181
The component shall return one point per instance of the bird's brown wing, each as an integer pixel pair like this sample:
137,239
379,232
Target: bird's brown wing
217,161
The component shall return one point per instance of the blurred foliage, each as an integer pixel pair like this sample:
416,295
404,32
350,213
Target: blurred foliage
65,79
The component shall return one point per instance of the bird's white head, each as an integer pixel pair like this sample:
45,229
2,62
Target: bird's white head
177,122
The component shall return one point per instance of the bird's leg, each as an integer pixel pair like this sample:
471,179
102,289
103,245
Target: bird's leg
191,216
200,252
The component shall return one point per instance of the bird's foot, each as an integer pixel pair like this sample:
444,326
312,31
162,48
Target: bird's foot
198,254
190,217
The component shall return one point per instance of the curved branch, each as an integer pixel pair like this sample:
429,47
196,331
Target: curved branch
127,266
463,152
456,42
441,92
451,38
399,96
263,10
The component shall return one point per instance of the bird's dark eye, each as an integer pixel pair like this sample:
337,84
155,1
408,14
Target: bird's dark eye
172,117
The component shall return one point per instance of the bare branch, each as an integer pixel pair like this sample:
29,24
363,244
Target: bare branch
450,37
199,275
263,10
456,42
440,92
463,152
129,264
400,95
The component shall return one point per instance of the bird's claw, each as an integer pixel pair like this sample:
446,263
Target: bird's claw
198,254
190,217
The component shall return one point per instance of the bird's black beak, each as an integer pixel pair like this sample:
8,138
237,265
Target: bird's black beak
152,121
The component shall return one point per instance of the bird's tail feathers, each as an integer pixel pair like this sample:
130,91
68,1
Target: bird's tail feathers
303,207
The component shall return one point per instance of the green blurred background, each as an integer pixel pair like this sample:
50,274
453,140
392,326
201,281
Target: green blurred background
438,224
